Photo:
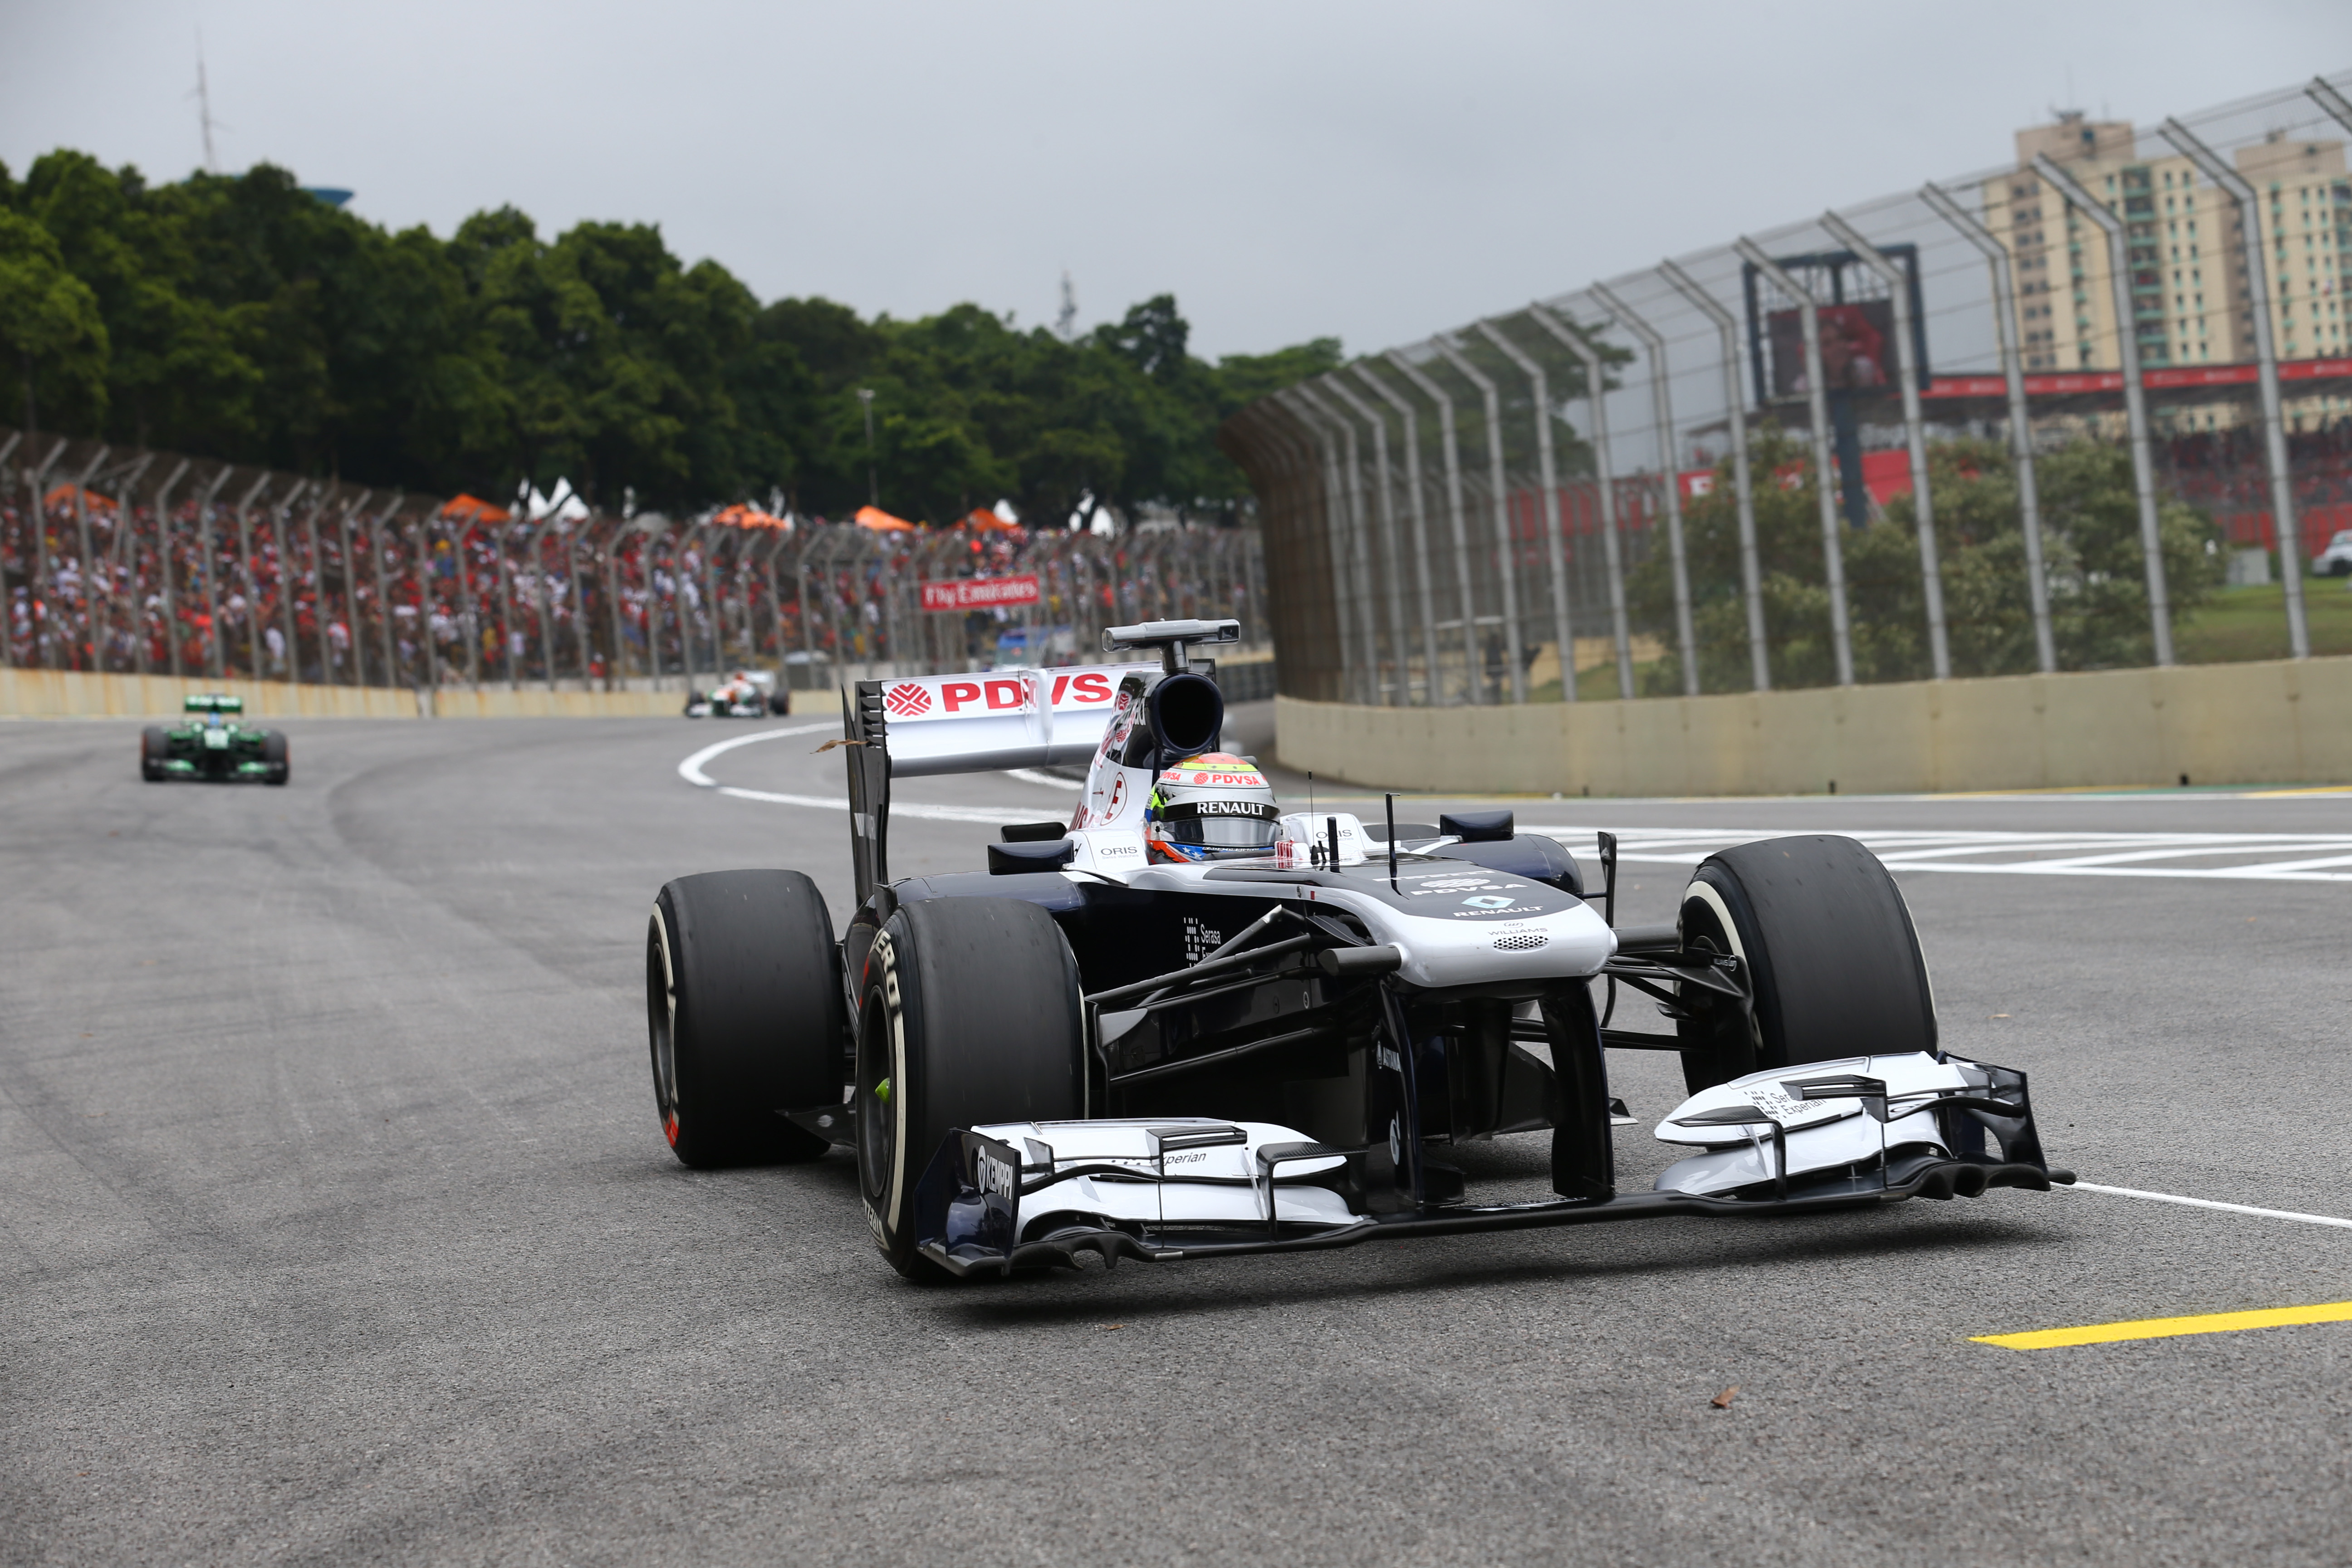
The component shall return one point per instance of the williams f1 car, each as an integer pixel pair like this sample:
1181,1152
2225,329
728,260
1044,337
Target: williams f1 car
215,742
1187,1023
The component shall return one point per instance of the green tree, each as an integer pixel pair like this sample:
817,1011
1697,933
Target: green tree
2090,550
50,326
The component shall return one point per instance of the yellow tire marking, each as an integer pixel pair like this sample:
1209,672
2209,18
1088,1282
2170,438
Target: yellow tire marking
2167,1328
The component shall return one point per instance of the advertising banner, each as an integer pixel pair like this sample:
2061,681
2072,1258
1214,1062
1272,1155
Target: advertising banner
980,593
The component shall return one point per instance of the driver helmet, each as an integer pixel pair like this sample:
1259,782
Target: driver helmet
1214,806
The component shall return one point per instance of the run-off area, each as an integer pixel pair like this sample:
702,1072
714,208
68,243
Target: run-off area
334,1222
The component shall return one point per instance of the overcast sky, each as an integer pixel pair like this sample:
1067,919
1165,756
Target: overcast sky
1369,170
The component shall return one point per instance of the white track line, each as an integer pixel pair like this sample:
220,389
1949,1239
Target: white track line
2288,856
691,771
1031,776
2210,1204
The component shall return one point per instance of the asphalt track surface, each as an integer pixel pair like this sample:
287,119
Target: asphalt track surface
335,1227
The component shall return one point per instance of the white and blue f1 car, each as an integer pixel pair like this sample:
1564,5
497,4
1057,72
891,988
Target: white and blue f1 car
1081,1049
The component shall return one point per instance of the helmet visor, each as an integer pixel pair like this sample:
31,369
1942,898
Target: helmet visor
1221,824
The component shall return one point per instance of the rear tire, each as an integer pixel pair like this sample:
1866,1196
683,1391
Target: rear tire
155,751
1831,952
744,1011
273,752
968,1014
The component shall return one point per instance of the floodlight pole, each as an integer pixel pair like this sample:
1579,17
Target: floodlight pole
1420,522
1661,409
2021,427
1604,491
1547,475
2151,536
1818,402
2290,537
1505,548
1465,588
1374,691
1391,566
1327,451
1915,428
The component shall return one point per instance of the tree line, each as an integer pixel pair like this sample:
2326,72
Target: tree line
239,317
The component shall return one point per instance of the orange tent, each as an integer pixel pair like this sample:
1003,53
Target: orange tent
63,496
748,517
984,517
881,521
473,509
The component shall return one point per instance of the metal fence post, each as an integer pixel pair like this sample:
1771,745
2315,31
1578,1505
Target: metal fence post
1391,574
1547,475
1358,549
350,587
204,555
1915,428
1506,547
245,573
1303,408
1596,394
2258,288
1465,586
383,601
2020,426
40,605
1824,465
1420,524
1662,411
163,563
87,567
2151,534
125,560
281,533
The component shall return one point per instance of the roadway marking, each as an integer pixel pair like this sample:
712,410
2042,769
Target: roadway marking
2244,857
2168,1328
691,771
2210,1204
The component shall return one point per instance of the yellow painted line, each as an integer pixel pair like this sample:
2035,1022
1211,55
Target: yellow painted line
2167,1328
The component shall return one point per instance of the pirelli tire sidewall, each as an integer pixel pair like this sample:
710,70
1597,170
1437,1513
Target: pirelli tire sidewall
745,1015
1830,951
969,1010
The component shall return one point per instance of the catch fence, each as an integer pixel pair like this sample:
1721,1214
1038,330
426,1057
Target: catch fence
2038,416
142,563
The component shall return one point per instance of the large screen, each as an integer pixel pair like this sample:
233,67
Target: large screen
1857,348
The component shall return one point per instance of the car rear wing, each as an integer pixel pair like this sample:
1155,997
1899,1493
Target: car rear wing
915,726
211,702
921,725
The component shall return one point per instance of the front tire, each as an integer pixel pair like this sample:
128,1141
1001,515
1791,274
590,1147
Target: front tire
744,1012
155,751
1830,953
968,1015
273,752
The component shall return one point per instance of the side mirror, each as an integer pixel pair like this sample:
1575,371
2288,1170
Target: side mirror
1478,826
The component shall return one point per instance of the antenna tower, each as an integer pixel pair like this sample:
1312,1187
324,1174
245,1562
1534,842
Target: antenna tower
1066,321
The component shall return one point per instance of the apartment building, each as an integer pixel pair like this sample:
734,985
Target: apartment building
2190,300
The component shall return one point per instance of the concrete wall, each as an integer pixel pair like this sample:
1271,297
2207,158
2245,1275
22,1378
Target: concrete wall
2273,722
62,694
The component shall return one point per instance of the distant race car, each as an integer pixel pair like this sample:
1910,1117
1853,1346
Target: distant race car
2335,561
215,744
746,694
1188,1024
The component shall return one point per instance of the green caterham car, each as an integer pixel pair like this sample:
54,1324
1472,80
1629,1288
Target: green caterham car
213,743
